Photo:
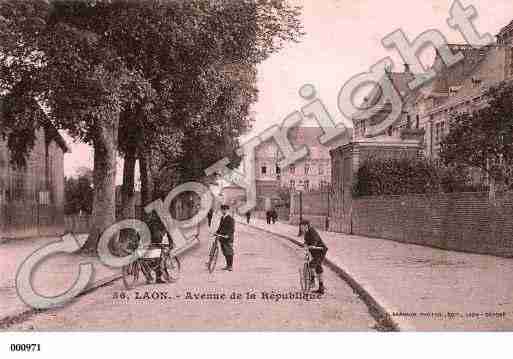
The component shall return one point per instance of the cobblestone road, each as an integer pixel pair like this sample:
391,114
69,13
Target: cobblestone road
263,265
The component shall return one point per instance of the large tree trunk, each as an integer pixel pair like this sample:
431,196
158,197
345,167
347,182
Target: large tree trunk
145,169
127,189
104,177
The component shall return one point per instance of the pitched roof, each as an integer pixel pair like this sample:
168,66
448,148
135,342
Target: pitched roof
506,32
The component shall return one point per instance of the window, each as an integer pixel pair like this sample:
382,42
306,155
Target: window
292,169
439,131
278,170
307,168
321,169
264,170
417,121
306,185
44,197
292,184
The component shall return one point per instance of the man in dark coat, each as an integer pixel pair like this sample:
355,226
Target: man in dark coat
210,214
317,249
157,231
274,215
226,230
248,216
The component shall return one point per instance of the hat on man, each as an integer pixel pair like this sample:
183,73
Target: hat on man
225,206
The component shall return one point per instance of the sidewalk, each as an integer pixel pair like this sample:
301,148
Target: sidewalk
52,276
420,288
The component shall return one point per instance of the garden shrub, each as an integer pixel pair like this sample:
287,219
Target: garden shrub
399,176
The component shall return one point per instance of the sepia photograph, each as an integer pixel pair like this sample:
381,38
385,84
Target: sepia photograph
271,166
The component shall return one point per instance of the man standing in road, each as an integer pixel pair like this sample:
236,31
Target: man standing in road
226,230
210,214
317,249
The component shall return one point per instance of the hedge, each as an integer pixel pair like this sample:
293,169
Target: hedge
409,176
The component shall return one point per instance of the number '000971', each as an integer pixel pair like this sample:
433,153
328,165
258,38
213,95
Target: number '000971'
25,347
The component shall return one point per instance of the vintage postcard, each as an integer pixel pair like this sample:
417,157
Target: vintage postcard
256,165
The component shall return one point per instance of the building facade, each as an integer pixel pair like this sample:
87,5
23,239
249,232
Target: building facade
310,174
32,198
455,89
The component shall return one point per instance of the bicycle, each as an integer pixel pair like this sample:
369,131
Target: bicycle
169,265
213,252
306,275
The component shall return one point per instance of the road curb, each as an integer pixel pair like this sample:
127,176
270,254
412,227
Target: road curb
376,306
13,319
18,318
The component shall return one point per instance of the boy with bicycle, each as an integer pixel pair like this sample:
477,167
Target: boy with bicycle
226,232
317,248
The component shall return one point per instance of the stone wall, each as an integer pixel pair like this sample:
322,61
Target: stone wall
458,221
318,222
313,203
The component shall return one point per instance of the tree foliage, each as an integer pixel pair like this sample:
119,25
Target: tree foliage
484,139
175,78
78,193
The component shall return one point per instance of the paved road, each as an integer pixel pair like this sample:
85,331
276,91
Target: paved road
263,264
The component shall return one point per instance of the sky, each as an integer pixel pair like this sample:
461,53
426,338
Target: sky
343,39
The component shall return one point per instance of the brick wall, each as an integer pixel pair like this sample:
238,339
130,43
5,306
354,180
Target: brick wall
313,203
459,221
318,222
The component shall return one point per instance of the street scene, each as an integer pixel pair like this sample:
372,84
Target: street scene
265,266
284,165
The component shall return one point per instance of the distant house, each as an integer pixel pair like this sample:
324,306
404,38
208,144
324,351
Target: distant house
310,173
32,198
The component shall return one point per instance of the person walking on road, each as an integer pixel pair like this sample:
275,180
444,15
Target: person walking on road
210,214
274,215
318,251
226,230
248,216
268,217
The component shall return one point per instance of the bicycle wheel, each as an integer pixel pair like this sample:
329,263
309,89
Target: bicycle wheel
131,274
305,277
171,268
212,257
